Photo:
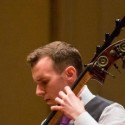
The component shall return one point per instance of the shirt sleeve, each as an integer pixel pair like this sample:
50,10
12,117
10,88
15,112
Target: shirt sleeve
85,119
112,115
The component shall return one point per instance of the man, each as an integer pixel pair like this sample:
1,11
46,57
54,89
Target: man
55,67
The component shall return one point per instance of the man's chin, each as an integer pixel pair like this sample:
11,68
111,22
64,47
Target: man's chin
50,103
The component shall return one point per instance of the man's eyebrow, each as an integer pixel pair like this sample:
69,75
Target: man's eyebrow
42,78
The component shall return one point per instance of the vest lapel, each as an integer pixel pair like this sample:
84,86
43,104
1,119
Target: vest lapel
96,106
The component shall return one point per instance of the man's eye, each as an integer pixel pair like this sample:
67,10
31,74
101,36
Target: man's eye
45,81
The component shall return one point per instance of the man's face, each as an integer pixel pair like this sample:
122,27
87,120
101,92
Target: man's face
48,81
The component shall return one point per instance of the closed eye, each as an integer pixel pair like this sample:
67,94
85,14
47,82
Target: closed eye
44,81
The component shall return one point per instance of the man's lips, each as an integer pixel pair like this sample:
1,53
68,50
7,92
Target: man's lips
46,99
49,101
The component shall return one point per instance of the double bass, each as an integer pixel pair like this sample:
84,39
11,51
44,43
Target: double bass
105,56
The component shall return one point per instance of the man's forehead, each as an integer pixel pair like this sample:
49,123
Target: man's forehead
45,60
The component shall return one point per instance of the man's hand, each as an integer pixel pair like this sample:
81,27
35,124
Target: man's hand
69,103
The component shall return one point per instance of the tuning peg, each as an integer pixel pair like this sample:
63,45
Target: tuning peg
115,65
98,48
123,64
107,35
117,22
108,73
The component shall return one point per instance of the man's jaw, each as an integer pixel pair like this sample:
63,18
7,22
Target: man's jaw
50,102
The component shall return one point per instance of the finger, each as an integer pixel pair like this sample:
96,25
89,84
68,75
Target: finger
68,90
59,101
55,107
62,94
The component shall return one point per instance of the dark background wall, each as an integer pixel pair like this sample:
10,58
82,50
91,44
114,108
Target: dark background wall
28,24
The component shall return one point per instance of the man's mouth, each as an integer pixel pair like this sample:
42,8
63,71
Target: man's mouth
47,100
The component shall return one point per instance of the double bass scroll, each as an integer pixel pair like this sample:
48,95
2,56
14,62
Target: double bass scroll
100,66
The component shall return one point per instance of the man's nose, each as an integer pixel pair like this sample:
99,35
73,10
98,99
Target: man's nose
40,91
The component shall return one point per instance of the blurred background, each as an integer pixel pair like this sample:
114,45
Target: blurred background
28,24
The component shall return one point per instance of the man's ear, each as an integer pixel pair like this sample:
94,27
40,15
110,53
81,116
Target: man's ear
70,74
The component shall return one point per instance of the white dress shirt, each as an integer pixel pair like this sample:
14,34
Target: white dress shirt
113,114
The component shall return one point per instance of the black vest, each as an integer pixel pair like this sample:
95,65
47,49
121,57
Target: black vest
96,106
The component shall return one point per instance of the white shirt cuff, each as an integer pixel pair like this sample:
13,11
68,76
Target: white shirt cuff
85,119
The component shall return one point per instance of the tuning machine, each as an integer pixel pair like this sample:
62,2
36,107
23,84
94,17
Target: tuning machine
107,36
98,47
122,49
101,65
123,64
119,51
117,22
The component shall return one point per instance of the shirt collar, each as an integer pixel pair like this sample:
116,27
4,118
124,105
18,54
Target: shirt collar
86,95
